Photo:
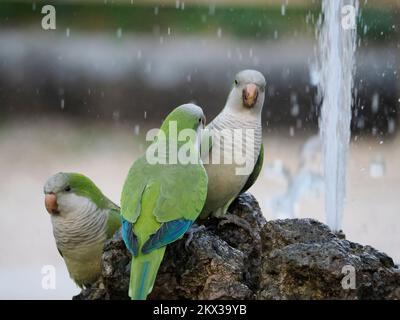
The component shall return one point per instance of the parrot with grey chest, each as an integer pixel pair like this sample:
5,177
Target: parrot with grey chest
242,112
83,219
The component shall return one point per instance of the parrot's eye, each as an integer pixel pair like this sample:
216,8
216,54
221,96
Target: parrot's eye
67,189
236,82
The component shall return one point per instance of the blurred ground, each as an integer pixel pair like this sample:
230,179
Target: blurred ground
34,150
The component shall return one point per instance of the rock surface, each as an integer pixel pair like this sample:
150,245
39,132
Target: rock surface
281,259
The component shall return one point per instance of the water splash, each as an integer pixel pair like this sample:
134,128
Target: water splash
305,182
337,43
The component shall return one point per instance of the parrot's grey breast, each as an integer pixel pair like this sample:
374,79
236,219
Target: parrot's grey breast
225,180
80,237
84,227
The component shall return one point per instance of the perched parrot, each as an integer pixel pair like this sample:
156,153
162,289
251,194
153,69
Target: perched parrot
82,218
160,201
242,111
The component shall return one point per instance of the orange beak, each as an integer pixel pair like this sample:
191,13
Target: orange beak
50,202
250,94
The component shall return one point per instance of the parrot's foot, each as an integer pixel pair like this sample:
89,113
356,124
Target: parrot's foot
193,229
240,222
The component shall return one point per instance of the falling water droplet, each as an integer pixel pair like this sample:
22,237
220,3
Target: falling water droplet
360,123
119,33
391,126
116,115
283,10
295,108
375,103
211,9
377,167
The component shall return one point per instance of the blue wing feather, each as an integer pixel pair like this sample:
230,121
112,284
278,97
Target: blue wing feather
129,237
168,232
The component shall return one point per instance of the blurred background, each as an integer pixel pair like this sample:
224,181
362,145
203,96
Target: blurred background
82,97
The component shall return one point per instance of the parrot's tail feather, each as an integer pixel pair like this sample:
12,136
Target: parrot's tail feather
144,270
142,293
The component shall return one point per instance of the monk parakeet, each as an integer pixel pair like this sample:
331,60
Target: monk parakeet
82,218
242,112
161,200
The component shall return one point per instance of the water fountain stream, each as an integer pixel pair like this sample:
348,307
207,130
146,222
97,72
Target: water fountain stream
337,43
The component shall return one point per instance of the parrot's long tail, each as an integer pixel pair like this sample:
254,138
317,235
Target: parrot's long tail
144,270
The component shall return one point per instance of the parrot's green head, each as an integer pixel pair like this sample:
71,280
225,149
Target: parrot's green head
248,92
69,192
186,117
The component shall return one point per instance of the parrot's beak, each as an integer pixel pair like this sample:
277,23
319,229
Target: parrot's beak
250,94
50,201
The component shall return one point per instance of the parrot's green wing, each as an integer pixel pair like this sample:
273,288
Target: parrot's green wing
178,191
181,196
256,171
134,186
182,192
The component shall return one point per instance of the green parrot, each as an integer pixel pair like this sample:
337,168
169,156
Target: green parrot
82,218
242,111
160,201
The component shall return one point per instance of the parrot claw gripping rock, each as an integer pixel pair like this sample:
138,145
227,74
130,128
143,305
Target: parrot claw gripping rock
240,222
191,232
